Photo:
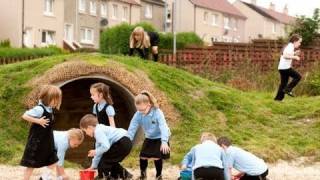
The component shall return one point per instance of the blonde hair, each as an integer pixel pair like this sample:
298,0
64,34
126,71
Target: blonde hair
49,93
77,134
144,42
88,120
104,89
146,97
208,136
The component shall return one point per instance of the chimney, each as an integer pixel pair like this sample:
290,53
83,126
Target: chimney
285,9
272,6
254,2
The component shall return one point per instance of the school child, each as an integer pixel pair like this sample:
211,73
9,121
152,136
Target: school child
103,109
285,67
111,147
157,133
250,166
141,41
186,167
39,150
63,140
208,159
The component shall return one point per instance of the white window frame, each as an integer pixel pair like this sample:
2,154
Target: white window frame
148,11
125,13
236,24
205,17
48,7
48,33
214,19
65,32
28,37
82,6
226,22
93,8
104,10
115,11
85,39
274,28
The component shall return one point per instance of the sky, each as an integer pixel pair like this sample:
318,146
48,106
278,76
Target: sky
296,7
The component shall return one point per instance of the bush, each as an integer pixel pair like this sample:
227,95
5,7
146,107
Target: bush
28,52
5,43
115,40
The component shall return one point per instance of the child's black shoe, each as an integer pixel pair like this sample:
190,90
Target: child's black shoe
143,176
159,177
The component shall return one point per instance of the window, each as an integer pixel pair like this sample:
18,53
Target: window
86,35
215,19
48,7
82,5
27,38
125,14
114,11
103,10
68,32
93,8
148,11
48,37
205,17
226,22
236,25
274,27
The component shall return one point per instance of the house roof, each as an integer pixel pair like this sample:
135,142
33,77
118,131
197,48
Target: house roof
219,5
281,17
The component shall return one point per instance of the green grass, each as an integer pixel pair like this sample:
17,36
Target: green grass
253,120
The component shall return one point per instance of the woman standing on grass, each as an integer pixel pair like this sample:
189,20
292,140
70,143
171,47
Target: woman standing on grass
141,41
285,69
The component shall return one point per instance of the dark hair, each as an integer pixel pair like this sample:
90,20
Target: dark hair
224,141
294,38
88,120
105,90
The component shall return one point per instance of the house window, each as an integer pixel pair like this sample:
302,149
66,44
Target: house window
87,35
274,27
236,24
68,32
114,11
148,11
125,13
205,17
226,21
93,8
214,19
28,40
104,10
82,5
48,37
48,7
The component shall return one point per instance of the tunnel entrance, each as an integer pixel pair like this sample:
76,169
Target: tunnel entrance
76,102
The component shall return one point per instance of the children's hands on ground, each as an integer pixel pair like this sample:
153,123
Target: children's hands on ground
91,153
165,148
43,122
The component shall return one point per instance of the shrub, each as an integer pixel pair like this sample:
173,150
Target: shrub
5,43
21,53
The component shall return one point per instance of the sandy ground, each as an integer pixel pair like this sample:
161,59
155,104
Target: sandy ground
295,170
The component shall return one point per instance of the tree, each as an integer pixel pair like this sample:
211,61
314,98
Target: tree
308,28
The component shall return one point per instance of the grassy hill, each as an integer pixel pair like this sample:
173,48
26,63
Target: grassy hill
253,120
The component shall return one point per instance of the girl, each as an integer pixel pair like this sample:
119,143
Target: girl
103,109
156,130
142,41
111,147
39,150
207,159
285,68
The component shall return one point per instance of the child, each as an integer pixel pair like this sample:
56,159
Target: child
62,141
103,109
156,130
186,167
285,68
208,160
111,147
250,166
142,41
39,150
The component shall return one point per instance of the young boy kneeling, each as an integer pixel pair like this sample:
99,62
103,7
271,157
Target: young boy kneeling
111,147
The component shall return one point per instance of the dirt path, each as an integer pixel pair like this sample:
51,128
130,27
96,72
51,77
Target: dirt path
296,170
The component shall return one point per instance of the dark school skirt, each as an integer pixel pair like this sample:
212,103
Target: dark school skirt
151,149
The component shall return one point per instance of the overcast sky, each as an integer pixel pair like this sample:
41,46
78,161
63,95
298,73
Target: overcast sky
296,7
